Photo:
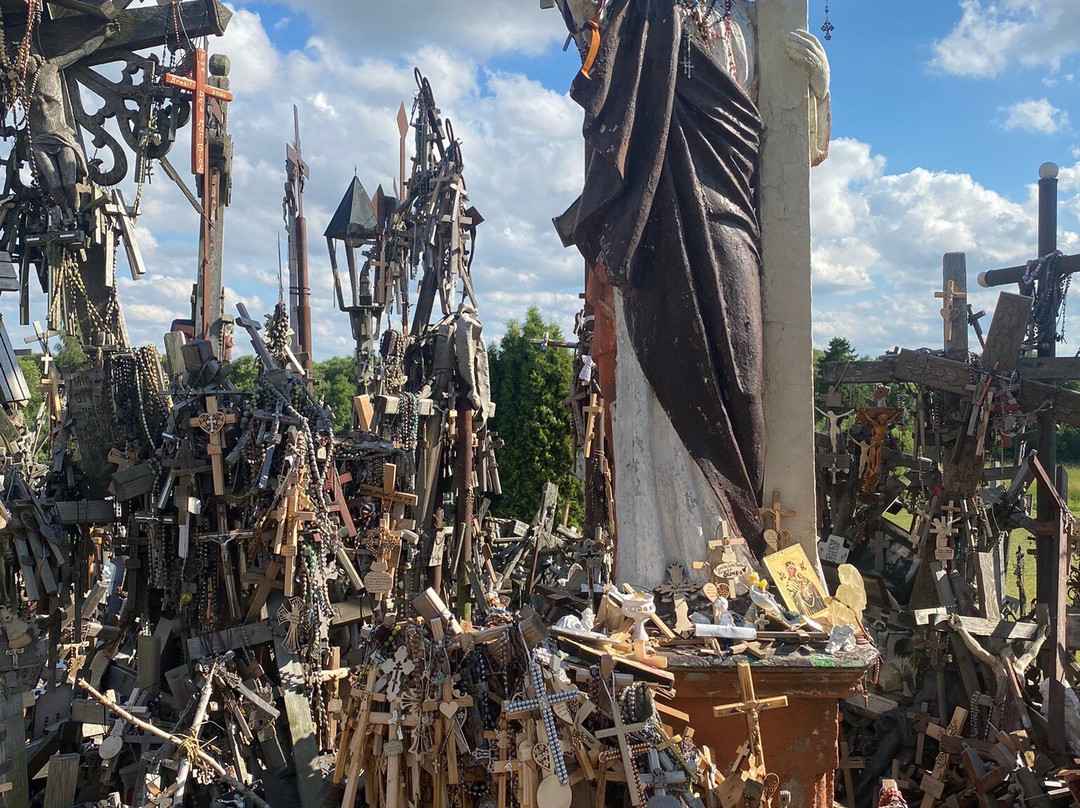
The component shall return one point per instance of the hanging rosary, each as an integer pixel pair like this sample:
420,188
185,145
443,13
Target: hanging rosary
827,28
699,14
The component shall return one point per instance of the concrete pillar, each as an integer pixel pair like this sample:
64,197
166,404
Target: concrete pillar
784,101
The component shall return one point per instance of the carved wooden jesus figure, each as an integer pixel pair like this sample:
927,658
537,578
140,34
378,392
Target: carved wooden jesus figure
57,153
668,223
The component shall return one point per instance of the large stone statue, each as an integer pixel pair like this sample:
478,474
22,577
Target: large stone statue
58,155
668,223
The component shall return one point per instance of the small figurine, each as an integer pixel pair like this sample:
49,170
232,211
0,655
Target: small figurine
766,604
726,624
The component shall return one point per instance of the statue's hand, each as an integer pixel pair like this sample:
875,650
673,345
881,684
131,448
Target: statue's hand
112,30
806,48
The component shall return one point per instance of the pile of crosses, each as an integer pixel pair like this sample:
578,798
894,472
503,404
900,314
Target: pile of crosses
929,484
506,714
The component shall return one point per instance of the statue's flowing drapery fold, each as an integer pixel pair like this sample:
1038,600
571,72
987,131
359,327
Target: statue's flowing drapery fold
669,209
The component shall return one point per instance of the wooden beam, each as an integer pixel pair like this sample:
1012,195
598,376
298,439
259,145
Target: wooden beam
302,732
882,371
63,777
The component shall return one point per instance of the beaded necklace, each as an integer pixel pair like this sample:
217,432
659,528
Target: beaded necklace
700,17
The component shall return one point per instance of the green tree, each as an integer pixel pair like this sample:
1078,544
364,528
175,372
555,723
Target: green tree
243,373
529,386
335,384
31,368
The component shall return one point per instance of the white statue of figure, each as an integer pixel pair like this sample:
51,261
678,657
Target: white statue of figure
669,227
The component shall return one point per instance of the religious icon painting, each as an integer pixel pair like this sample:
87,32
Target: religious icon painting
797,582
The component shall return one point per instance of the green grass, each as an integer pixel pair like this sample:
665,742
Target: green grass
903,519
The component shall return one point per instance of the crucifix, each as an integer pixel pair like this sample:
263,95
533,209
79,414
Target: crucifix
932,784
834,419
211,163
777,538
593,410
751,707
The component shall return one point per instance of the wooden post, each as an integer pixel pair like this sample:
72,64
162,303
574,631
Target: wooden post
464,505
954,272
13,745
63,777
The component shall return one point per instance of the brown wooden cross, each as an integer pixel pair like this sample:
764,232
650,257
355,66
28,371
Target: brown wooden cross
751,707
393,501
449,706
723,565
626,747
593,410
200,90
948,312
338,504
213,423
847,764
677,588
777,538
294,511
932,784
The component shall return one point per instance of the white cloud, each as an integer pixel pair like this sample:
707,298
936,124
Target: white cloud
1034,115
992,36
879,239
480,27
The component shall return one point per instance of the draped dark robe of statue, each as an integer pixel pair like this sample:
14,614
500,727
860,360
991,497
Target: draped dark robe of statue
669,210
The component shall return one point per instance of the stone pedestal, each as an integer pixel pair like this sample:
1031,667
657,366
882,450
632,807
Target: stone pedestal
801,740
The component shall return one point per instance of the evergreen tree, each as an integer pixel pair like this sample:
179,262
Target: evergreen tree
335,383
529,387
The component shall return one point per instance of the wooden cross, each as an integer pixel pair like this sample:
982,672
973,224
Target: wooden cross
629,754
723,565
295,511
504,741
626,747
751,707
291,614
450,707
213,423
392,500
948,313
594,410
943,529
777,538
847,763
677,588
973,321
544,703
932,784
200,90
338,504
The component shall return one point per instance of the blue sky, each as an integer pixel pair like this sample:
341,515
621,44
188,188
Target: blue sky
942,112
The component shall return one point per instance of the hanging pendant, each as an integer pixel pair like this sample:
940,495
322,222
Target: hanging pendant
828,27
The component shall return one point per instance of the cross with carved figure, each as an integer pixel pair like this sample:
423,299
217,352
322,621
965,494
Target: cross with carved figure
751,707
213,423
723,565
777,538
200,90
948,311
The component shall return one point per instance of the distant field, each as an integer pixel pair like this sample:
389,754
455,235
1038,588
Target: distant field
904,519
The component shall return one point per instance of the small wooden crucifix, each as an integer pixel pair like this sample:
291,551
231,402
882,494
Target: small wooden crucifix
777,538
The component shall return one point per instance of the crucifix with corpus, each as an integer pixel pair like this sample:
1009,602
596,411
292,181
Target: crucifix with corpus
207,86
